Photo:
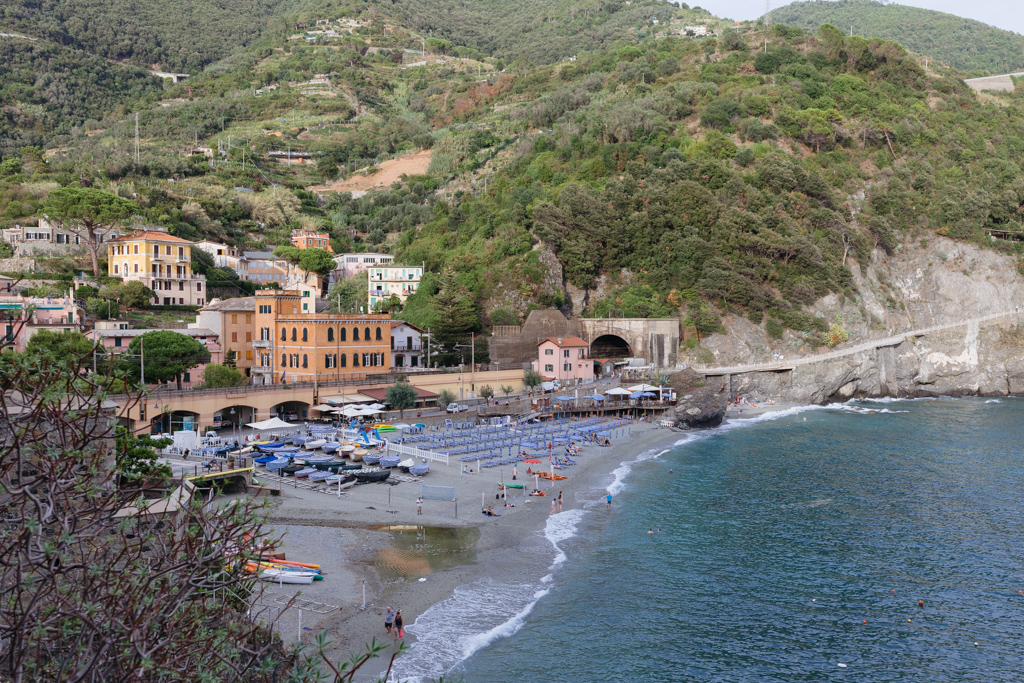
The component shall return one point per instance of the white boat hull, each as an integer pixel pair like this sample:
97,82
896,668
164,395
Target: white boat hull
283,576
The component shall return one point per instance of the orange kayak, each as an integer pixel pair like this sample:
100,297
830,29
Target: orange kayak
548,475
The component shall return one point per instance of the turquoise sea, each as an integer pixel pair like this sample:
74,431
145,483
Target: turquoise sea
779,539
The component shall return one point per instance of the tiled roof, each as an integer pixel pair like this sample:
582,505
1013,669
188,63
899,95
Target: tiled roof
154,235
244,303
564,341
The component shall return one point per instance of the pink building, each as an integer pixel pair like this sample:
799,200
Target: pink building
565,359
21,318
117,340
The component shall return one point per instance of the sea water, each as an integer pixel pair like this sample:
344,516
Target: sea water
788,545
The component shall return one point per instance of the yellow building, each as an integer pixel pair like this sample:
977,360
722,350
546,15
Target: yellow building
233,322
294,345
160,261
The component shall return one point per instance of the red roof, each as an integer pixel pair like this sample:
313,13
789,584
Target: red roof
564,341
150,235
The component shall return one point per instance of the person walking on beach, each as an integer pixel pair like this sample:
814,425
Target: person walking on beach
399,630
609,501
553,506
389,619
419,505
559,501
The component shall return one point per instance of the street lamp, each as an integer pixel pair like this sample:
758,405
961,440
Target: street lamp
233,426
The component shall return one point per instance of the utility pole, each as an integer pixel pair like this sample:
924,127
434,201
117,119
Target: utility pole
142,361
472,361
136,137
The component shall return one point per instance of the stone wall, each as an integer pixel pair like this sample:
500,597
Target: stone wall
17,265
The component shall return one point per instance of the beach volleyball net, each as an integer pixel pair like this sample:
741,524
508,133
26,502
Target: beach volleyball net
441,493
438,492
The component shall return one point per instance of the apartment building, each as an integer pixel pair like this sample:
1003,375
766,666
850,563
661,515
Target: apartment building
296,346
350,265
233,321
262,267
116,341
398,281
223,255
160,261
307,239
21,318
407,349
47,239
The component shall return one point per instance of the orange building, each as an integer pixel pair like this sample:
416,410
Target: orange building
306,239
296,346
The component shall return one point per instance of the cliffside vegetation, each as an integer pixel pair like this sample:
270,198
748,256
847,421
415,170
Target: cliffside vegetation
962,43
655,174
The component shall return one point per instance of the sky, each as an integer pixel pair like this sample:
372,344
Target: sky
1006,14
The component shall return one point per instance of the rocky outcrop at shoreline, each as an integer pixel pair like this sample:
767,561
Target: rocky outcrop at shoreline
922,285
701,405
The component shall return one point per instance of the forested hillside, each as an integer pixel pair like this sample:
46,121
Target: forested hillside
650,176
963,43
183,35
541,31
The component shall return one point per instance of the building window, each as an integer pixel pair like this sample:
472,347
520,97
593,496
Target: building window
248,355
248,336
167,249
549,368
234,318
136,249
181,286
355,360
378,334
295,334
295,360
284,361
366,359
329,360
367,337
344,360
341,334
234,336
117,341
330,334
284,334
305,336
567,366
305,361
115,269
549,352
565,353
355,334
199,286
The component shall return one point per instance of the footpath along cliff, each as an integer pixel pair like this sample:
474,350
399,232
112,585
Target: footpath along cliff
920,286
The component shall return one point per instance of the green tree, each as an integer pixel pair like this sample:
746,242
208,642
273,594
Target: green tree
106,309
216,376
532,380
165,356
319,261
137,458
347,295
134,294
506,389
401,396
85,211
455,316
62,346
487,391
202,261
445,398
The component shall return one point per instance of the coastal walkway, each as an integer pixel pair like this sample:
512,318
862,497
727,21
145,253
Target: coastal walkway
895,340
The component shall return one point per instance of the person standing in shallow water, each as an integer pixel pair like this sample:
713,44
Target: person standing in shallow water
396,632
609,500
559,501
389,619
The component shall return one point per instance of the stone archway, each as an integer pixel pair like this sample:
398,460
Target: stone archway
610,346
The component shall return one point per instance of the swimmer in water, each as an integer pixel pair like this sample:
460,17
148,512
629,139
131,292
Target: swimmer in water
651,530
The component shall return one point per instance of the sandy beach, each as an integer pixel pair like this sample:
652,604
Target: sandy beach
372,537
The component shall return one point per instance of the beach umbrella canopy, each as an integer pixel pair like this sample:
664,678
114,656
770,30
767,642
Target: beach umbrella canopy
645,387
648,394
324,407
370,411
351,411
596,397
564,398
636,394
272,423
617,391
532,461
378,406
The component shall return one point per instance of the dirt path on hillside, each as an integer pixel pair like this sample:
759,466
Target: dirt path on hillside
388,172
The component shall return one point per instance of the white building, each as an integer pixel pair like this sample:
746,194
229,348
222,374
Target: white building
46,239
407,349
350,265
397,281
223,255
696,30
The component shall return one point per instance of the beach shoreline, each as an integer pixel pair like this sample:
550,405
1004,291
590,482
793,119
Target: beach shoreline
354,538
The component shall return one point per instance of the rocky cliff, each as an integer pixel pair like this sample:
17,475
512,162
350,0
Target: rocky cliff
923,284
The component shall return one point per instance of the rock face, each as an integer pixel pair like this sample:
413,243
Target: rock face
701,407
945,282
